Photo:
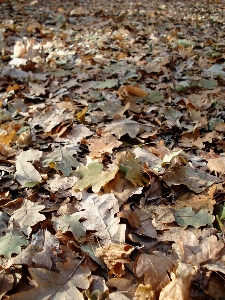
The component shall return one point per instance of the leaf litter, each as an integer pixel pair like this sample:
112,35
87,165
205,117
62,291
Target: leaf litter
112,150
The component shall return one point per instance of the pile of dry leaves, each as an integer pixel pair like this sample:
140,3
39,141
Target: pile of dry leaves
112,154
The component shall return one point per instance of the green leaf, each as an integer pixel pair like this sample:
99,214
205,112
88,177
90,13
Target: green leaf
22,129
185,216
208,84
106,84
154,97
93,176
186,43
12,243
70,223
220,211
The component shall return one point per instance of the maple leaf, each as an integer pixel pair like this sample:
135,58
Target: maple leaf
62,160
93,176
26,174
28,215
99,212
130,165
12,242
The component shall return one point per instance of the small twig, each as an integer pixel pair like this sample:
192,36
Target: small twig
67,278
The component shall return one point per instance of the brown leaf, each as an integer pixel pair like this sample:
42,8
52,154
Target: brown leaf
155,270
115,256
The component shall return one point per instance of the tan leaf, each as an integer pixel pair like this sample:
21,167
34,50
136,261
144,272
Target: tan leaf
217,164
115,256
177,289
144,291
104,144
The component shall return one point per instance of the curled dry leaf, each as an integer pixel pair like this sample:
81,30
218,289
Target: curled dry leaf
115,256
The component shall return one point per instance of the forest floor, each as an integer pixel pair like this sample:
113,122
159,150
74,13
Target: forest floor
112,156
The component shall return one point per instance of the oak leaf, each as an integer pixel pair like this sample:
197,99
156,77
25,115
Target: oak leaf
115,256
99,212
187,217
12,242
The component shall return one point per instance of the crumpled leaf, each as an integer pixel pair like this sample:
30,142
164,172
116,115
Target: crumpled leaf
28,215
187,217
133,170
70,223
179,286
26,174
168,157
62,160
93,176
115,256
